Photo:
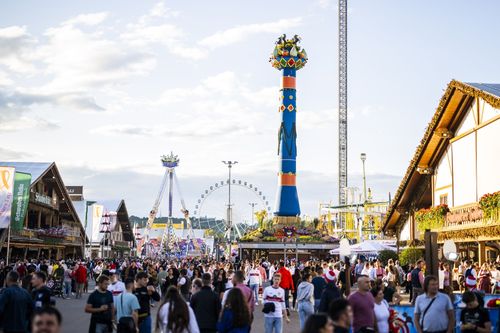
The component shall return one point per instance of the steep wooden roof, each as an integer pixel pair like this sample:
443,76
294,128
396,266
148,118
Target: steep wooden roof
451,110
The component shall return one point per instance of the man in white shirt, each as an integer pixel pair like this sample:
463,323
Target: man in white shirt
116,287
273,321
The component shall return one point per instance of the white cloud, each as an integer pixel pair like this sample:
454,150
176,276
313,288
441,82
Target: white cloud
87,19
79,59
15,46
239,33
11,155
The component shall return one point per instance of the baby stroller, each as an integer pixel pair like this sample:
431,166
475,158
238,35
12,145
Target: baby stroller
56,285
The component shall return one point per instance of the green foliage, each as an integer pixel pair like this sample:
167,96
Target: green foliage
385,255
431,218
410,256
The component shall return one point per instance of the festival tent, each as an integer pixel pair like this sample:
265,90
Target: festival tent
366,247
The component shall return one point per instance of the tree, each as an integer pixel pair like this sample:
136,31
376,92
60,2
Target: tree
410,255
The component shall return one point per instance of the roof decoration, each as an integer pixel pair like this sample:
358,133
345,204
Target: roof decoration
288,54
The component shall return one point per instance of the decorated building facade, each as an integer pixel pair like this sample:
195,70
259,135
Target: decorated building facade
452,185
51,227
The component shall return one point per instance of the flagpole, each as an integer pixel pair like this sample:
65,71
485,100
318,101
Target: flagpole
8,245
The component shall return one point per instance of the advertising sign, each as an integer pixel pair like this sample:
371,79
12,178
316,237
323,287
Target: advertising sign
21,192
6,195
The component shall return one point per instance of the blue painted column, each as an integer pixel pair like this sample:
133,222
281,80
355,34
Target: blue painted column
288,58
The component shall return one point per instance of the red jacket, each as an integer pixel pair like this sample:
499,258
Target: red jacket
81,274
286,279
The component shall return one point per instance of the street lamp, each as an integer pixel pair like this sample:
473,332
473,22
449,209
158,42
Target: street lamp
363,159
253,204
229,209
87,204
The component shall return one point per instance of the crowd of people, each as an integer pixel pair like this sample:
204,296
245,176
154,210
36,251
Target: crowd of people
196,295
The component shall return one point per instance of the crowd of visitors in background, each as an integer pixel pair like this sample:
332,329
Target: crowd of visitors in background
195,295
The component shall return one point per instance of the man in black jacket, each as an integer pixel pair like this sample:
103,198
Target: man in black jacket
330,293
16,306
145,293
206,306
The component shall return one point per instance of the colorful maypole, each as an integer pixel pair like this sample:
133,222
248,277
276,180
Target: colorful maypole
288,57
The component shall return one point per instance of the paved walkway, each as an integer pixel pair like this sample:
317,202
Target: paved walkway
75,320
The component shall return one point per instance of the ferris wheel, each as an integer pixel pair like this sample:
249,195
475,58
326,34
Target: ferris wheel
205,217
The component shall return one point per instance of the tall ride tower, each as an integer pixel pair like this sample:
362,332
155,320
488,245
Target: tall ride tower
342,102
287,57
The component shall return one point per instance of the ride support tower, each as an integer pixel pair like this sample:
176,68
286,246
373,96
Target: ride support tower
288,57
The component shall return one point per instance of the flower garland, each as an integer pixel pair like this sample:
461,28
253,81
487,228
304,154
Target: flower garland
431,218
490,205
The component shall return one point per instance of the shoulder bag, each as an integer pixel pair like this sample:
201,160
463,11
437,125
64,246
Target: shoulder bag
126,324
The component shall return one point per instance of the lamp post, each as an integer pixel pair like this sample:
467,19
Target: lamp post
253,204
229,209
363,159
87,204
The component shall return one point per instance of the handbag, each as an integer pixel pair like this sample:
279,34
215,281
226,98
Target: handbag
269,307
125,324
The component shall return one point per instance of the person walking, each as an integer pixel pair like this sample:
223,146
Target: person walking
40,292
330,293
145,293
16,306
474,318
319,284
100,306
362,303
67,279
116,287
206,306
127,309
238,278
286,284
235,317
80,278
305,299
417,280
340,312
174,315
184,285
255,282
433,310
318,323
274,295
381,309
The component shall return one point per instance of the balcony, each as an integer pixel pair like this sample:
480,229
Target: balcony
50,236
468,223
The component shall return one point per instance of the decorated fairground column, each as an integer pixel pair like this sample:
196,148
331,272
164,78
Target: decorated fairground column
287,57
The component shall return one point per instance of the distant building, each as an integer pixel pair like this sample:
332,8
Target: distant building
107,226
52,227
455,168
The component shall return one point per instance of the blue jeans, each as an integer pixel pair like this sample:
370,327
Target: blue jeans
273,325
145,325
255,290
317,301
67,288
305,310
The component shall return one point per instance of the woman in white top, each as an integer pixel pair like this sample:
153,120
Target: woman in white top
175,316
381,310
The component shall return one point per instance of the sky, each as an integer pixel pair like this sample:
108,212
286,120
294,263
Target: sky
104,88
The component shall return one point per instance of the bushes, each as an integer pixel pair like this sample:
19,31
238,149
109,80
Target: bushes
409,256
385,255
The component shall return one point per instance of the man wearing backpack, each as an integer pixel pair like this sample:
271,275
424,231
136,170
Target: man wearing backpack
127,309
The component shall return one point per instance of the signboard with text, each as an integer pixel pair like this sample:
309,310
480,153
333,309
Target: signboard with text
6,195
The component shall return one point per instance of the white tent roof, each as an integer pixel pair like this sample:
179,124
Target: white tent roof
367,247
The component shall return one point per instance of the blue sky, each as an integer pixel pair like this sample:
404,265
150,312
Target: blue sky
105,88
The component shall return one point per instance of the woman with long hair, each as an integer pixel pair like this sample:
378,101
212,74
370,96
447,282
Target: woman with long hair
174,315
485,278
235,317
220,282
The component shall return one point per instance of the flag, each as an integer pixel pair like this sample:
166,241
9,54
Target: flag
97,212
22,182
6,195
